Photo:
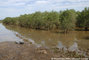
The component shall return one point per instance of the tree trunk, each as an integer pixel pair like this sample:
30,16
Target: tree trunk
86,28
65,31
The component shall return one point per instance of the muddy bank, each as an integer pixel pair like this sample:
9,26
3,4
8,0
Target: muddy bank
13,51
26,51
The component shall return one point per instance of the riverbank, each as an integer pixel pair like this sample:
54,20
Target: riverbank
13,51
26,51
0,21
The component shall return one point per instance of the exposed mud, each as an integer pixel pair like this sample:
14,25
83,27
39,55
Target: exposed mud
26,51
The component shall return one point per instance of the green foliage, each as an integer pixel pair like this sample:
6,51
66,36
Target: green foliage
68,20
23,20
0,21
65,20
38,20
10,21
83,18
53,20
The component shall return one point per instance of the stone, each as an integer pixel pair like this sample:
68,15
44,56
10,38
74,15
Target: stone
19,42
42,51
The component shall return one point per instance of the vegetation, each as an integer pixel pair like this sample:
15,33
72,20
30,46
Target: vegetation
83,19
0,21
37,20
66,20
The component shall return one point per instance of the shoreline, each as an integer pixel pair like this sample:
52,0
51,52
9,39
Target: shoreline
26,51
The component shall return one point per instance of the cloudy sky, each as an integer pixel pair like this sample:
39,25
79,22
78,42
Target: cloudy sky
12,8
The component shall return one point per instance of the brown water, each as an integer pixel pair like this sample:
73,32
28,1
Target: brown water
73,40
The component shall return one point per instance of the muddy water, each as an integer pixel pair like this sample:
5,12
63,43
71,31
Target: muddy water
7,35
73,40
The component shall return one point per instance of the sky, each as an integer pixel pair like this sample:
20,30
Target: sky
13,8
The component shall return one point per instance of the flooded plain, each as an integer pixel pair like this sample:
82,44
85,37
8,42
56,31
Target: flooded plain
72,41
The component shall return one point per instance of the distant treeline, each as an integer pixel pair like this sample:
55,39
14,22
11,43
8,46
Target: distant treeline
66,20
0,21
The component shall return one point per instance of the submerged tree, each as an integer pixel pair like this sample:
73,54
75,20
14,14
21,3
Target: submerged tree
68,20
52,20
83,19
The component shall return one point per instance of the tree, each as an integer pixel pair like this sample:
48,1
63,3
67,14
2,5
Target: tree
68,19
53,19
83,19
23,20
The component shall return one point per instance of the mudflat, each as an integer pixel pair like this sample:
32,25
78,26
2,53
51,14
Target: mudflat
13,51
28,51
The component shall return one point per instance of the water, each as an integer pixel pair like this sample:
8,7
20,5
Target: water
72,41
7,35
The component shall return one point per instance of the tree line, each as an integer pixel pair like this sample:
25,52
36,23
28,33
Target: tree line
66,20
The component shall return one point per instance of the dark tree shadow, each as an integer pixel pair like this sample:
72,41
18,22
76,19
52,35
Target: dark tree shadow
81,29
87,38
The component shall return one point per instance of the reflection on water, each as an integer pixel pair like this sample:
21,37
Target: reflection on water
74,47
7,35
72,41
60,45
